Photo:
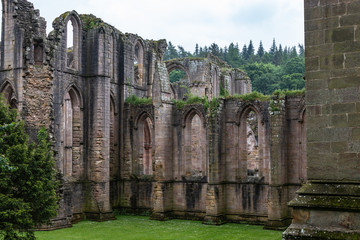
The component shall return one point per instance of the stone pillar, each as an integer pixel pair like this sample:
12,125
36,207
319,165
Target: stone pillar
163,145
215,190
97,205
328,206
277,202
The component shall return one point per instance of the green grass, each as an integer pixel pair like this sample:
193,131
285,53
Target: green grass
136,227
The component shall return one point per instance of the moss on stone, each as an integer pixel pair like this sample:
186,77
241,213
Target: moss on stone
253,96
90,21
135,100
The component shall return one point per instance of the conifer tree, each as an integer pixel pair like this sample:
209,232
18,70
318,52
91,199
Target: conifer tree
261,50
250,50
196,53
244,52
27,179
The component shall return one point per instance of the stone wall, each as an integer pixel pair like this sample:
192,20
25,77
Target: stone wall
189,162
327,207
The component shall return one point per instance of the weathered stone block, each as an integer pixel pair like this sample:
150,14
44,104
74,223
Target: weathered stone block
339,120
339,34
343,108
313,64
344,82
353,7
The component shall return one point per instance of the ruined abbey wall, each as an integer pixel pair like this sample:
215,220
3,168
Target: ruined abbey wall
226,159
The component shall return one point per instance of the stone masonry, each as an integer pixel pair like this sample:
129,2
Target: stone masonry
328,206
224,159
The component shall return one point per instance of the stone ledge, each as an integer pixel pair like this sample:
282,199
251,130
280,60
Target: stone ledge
278,224
336,189
306,232
328,195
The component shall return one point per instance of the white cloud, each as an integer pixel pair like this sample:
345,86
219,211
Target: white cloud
188,22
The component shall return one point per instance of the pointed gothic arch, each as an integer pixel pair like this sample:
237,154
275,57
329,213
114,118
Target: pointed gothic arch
194,162
252,141
114,135
8,92
139,63
72,21
72,131
144,144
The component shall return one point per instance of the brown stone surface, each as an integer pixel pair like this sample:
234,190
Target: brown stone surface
238,161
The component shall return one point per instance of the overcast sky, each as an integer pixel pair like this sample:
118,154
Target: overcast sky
188,22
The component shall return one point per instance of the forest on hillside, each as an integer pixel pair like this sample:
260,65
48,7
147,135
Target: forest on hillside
278,68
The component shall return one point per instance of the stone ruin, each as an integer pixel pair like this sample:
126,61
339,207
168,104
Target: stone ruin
223,160
226,159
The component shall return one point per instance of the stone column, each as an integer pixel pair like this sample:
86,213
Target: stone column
163,146
215,191
97,205
328,206
277,202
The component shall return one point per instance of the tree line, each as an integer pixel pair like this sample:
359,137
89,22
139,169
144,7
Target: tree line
278,68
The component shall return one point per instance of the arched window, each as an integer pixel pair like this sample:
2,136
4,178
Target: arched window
252,144
139,70
147,162
112,56
72,42
178,75
144,145
113,139
215,83
72,132
180,80
195,147
252,138
9,94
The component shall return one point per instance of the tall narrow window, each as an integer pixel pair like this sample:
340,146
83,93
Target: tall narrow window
139,70
215,84
113,140
70,61
112,57
144,145
252,138
72,41
195,147
72,133
147,164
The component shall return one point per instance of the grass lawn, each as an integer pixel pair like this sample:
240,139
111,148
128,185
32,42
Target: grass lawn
137,227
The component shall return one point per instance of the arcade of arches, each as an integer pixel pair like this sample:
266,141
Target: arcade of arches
234,161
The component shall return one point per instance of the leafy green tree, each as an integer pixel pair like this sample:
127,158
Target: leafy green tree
263,76
27,179
294,65
177,75
293,81
233,56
